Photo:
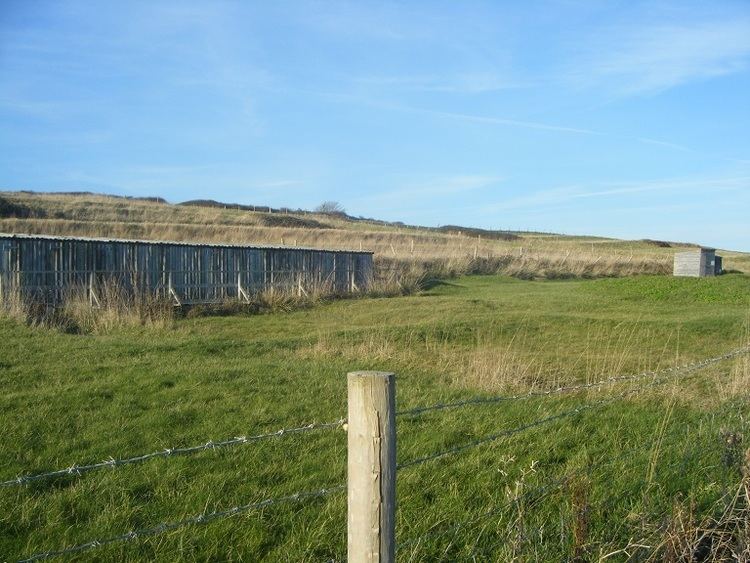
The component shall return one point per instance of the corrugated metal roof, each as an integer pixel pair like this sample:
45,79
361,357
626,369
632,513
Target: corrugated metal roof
180,243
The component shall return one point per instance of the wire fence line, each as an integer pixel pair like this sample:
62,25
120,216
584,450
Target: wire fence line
542,421
678,464
536,493
202,518
548,486
668,374
210,445
572,388
241,440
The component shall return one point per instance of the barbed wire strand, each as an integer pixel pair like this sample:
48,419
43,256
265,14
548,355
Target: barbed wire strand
202,518
540,490
210,445
600,464
539,422
208,517
572,388
240,440
548,486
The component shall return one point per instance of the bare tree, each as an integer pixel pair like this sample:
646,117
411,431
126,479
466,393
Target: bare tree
330,208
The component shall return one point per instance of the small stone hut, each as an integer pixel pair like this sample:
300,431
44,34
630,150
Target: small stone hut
698,263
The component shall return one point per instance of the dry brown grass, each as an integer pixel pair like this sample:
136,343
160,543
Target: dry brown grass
503,362
739,381
116,308
419,252
739,378
13,306
289,299
579,503
724,536
494,366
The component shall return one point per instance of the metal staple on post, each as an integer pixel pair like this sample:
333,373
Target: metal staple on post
371,466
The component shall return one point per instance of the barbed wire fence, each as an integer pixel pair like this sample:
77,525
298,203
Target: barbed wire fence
202,518
555,483
646,380
168,452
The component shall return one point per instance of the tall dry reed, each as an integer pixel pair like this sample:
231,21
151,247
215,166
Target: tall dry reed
115,307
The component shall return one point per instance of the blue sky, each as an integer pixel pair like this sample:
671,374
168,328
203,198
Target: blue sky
622,118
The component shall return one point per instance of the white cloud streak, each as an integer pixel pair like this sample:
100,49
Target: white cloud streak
648,59
567,194
458,83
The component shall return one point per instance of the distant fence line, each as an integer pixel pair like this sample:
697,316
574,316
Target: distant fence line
372,466
48,269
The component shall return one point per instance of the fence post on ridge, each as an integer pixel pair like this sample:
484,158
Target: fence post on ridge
371,467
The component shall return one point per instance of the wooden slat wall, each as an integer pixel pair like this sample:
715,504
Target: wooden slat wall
49,267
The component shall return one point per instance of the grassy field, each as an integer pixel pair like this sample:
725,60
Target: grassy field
641,469
412,250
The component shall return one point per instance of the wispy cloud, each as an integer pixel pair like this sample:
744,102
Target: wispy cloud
458,83
667,144
506,122
566,194
489,120
652,58
154,48
683,148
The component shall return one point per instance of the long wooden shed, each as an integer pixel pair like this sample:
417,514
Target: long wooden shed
697,263
47,268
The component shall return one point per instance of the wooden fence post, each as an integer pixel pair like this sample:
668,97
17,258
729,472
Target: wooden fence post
371,482
93,299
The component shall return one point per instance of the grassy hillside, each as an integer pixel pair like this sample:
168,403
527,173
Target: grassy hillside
646,467
452,250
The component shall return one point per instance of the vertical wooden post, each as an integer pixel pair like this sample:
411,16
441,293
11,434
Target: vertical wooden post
93,299
371,485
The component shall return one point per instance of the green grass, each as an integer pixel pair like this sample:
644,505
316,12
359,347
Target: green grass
82,398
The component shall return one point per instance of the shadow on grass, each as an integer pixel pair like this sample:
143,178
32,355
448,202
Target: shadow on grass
433,283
